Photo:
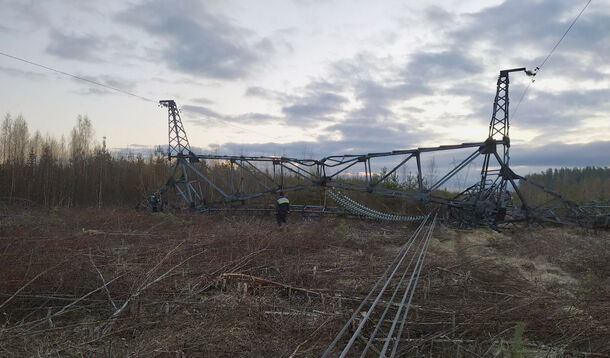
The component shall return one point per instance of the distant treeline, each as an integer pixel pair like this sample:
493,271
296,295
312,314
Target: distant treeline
78,171
72,172
576,184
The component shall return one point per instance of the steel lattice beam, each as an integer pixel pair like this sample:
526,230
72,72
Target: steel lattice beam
487,201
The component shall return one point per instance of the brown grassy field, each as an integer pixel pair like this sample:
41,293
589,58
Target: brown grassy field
125,283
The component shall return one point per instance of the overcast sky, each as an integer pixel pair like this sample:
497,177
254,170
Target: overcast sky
314,77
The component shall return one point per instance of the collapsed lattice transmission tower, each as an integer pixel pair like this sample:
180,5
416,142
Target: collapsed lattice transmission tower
206,182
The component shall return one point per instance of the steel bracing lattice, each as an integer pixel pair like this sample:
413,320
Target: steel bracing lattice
178,141
496,197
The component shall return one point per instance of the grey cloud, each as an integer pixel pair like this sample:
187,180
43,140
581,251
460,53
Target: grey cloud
413,109
386,136
201,110
591,32
563,155
562,112
480,98
357,138
74,47
324,100
30,12
446,65
566,65
375,99
509,31
111,81
558,113
360,67
253,117
93,91
355,76
246,118
114,81
281,41
435,14
256,91
452,71
378,98
202,100
21,73
199,42
320,101
512,24
376,95
314,106
312,2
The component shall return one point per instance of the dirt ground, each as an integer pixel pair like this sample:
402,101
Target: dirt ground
124,283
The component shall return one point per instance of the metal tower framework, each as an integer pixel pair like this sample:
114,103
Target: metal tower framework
487,201
180,149
496,190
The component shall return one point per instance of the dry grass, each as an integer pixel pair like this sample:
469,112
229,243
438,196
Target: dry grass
554,281
118,283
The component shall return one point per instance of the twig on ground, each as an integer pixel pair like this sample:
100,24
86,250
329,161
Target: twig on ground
103,280
311,336
27,284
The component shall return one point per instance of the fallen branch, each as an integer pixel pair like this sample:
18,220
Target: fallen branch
103,280
143,288
261,282
312,335
27,284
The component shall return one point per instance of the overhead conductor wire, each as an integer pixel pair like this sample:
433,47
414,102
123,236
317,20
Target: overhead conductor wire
77,77
550,54
81,78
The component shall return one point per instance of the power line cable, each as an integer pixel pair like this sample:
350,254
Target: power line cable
522,97
77,77
563,36
550,54
120,90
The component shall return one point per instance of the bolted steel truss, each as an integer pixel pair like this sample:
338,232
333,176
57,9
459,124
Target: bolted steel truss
494,198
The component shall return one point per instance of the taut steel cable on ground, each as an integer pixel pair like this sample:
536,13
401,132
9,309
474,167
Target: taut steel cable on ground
402,252
416,246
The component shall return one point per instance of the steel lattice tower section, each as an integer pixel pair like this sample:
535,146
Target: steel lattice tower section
178,141
494,182
499,125
180,149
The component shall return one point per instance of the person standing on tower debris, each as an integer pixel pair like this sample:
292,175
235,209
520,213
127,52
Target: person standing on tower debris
282,208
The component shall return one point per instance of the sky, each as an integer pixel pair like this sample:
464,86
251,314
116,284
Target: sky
311,78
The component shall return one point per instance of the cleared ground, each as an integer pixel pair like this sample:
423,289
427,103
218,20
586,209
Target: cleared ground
119,282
